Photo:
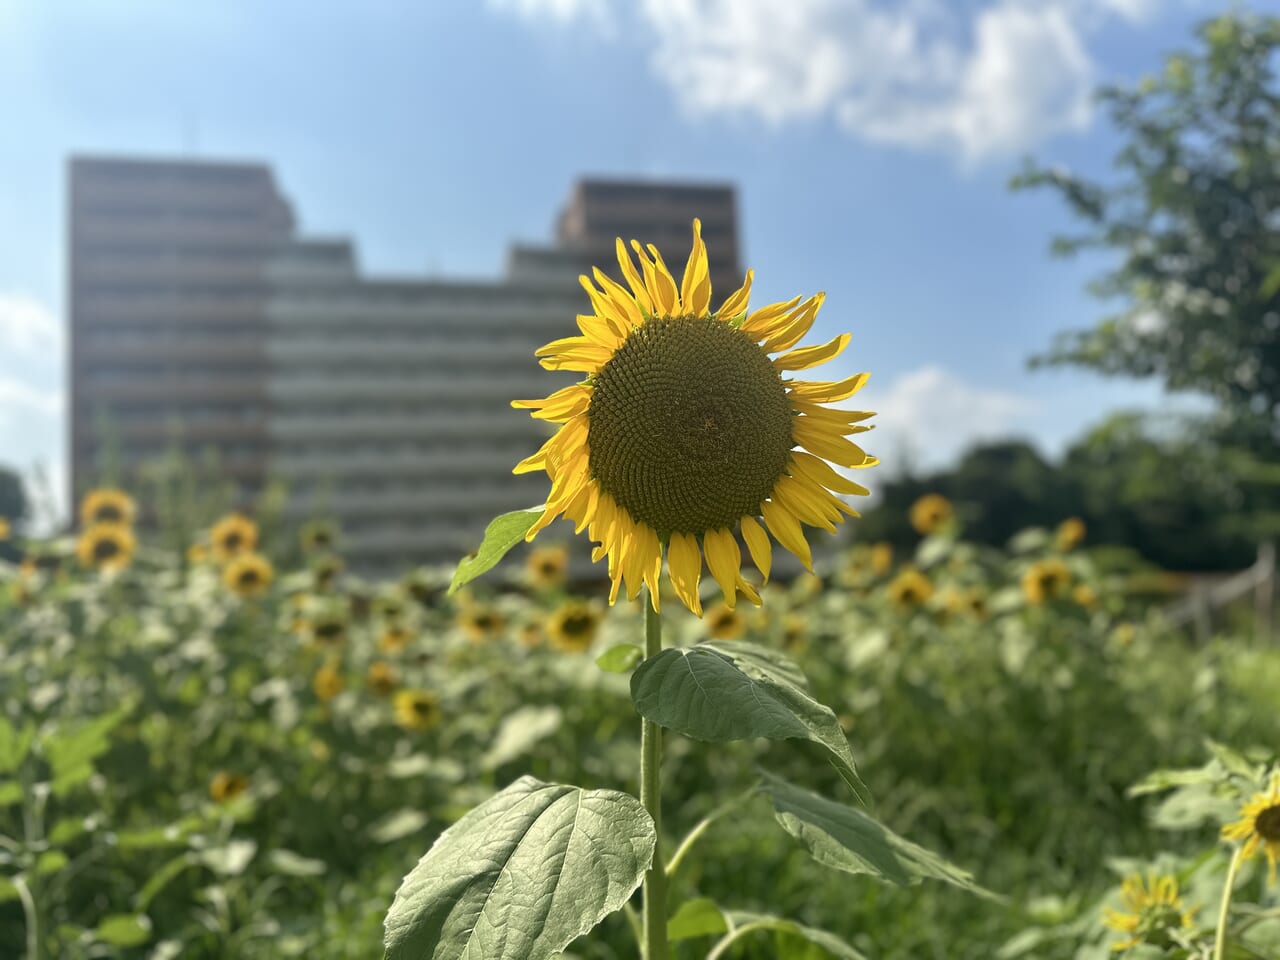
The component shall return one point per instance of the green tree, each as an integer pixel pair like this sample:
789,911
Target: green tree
1194,218
13,507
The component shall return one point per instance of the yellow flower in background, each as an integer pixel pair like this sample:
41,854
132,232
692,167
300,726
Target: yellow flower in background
481,623
391,607
232,535
910,588
417,709
197,554
530,634
1085,596
381,678
248,575
1070,534
1259,826
547,566
329,627
1154,912
725,623
881,557
327,682
325,570
1045,580
394,638
572,628
6,530
931,513
106,546
795,633
317,536
227,786
684,432
107,505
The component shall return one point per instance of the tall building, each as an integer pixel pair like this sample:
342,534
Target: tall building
200,319
166,297
658,212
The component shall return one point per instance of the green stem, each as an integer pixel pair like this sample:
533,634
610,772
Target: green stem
1220,941
704,824
30,915
655,879
727,941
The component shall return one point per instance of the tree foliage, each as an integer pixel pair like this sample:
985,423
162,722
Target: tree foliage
1194,218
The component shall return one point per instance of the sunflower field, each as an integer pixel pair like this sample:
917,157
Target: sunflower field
215,753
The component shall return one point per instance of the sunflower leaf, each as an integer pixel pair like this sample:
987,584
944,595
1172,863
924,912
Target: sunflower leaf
737,691
522,875
500,536
852,841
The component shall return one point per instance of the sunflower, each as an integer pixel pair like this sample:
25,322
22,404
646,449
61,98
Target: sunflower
248,574
325,570
106,546
6,529
317,536
546,566
725,623
931,513
1155,912
423,587
41,562
530,634
481,623
329,627
232,535
1259,826
685,433
107,505
1085,596
381,678
391,607
1070,534
1045,580
417,709
795,633
910,588
227,786
327,682
881,557
572,628
197,554
394,638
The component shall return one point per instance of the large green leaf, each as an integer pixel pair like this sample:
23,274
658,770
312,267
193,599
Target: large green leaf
737,691
522,875
71,750
14,744
850,840
522,728
502,533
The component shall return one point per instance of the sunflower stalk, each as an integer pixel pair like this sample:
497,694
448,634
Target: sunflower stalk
1228,887
654,946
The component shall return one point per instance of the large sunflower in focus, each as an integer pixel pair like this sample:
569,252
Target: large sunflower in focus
686,433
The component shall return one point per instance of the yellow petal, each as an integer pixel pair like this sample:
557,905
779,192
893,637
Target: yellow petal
826,444
626,304
801,505
748,591
833,416
786,530
586,359
758,546
737,301
606,309
795,328
661,295
560,406
827,391
812,356
695,287
724,560
648,551
637,286
684,564
558,346
760,323
820,472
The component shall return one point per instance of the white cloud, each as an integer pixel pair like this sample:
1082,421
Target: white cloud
987,78
934,416
23,399
28,327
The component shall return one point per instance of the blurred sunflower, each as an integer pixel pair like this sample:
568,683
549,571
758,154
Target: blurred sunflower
1259,826
248,574
106,546
325,570
394,638
530,634
40,562
6,531
107,505
422,587
227,786
572,628
327,682
197,554
318,536
381,678
931,513
391,607
232,535
1045,580
725,623
1085,596
417,709
795,633
480,623
910,588
1154,912
328,628
1070,534
881,557
546,566
684,432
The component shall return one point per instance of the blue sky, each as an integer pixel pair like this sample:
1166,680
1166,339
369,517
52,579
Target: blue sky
871,143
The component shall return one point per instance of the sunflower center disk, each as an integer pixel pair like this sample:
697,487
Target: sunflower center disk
1267,824
689,426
